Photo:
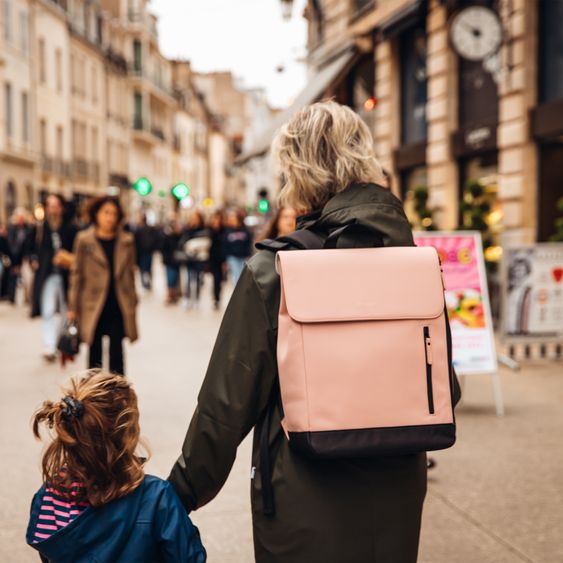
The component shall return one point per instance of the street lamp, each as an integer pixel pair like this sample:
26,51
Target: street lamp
287,9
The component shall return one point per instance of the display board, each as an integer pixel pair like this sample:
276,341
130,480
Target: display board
467,299
533,292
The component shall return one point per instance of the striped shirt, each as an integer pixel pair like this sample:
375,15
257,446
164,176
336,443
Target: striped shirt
58,509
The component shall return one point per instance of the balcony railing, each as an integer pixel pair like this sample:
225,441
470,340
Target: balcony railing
47,164
94,171
155,80
80,168
158,133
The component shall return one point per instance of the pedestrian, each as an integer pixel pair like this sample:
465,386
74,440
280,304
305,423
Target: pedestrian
238,242
146,240
19,240
5,263
196,244
51,259
217,256
282,223
102,297
329,511
171,235
96,502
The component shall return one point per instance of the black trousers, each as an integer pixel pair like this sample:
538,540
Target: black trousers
116,361
217,271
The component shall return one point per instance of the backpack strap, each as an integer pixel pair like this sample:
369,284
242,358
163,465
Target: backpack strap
302,239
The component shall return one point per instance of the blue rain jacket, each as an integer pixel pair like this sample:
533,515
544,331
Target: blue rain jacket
148,525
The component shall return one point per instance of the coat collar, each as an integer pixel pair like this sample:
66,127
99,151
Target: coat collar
122,243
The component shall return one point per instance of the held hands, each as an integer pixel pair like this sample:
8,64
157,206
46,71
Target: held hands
71,315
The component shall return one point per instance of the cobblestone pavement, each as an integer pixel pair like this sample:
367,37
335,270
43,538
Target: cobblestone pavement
496,497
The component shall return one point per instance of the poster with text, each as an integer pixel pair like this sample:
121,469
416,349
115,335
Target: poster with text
467,299
533,291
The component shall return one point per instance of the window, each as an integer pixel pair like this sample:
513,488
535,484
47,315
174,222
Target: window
361,5
7,20
137,56
94,85
43,136
550,50
25,118
94,144
8,109
59,69
413,85
42,62
24,32
138,115
60,140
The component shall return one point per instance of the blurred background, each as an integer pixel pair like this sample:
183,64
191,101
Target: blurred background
172,105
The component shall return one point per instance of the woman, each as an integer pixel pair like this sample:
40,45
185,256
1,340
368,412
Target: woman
353,510
195,244
102,296
237,244
171,236
216,256
282,224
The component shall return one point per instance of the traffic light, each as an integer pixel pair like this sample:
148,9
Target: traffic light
263,203
142,186
180,191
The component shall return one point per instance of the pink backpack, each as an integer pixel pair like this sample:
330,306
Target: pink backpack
364,351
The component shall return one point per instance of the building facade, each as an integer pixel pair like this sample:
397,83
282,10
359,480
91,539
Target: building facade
90,105
457,93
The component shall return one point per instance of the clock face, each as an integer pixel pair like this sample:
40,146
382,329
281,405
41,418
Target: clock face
476,33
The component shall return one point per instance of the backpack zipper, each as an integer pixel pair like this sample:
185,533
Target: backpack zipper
428,358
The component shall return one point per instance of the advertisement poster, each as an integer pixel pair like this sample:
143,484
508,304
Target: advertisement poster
467,300
533,291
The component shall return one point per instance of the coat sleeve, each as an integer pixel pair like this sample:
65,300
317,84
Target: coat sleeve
233,397
178,538
75,277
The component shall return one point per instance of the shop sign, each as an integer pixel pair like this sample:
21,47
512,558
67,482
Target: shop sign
467,300
533,292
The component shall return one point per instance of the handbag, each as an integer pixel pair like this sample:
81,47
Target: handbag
69,340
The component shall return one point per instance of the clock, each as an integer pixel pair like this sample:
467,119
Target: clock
476,33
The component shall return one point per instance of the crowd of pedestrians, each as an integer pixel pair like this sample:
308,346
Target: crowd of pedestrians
81,267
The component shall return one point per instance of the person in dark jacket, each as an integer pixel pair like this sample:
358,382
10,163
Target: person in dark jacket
51,259
347,510
196,244
238,244
19,240
146,241
99,505
5,263
169,247
216,255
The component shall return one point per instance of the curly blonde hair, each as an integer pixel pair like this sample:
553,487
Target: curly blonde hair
95,436
322,150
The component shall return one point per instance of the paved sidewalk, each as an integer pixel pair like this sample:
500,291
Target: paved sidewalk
496,497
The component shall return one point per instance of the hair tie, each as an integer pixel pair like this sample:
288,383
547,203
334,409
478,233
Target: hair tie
73,409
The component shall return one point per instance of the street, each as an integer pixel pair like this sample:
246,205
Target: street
496,497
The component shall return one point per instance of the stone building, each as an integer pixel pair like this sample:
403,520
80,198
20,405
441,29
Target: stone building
89,105
480,103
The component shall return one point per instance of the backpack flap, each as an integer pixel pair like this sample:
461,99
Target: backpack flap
363,357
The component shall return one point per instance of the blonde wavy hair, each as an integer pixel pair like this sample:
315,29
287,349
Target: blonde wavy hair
323,150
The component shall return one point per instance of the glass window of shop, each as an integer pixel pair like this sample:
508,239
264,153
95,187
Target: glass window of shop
550,50
361,89
412,47
486,208
413,182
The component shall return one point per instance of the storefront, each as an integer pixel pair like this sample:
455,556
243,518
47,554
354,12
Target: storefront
547,117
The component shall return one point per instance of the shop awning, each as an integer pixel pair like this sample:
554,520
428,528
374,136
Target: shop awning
408,16
313,92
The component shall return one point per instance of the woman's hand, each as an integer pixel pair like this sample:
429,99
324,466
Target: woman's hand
71,315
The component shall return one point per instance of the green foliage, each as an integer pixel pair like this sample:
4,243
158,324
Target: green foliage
558,235
420,196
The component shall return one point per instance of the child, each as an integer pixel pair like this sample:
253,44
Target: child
97,504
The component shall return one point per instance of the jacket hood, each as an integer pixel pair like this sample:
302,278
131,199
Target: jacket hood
91,528
368,205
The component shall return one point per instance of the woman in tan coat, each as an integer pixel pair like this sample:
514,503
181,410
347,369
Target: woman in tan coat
102,296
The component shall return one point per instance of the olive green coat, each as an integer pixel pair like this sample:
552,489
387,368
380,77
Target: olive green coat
326,511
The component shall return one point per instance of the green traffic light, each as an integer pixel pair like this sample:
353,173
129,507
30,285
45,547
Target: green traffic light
142,186
180,191
263,206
